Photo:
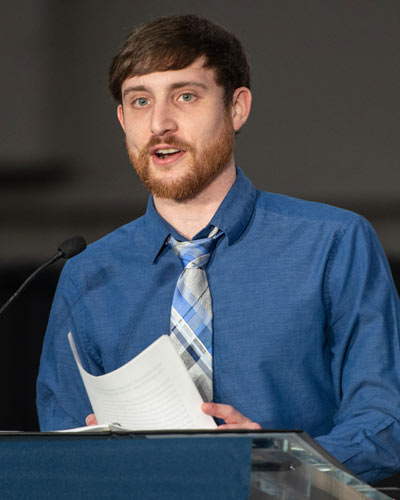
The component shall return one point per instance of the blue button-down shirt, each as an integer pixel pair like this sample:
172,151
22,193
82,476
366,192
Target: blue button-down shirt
306,321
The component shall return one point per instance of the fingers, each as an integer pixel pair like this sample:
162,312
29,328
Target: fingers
91,419
246,425
226,412
233,418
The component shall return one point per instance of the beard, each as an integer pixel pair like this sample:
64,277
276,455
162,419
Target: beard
201,168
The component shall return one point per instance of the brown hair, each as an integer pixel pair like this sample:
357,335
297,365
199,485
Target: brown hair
175,42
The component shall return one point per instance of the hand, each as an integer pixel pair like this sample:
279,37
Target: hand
91,419
233,418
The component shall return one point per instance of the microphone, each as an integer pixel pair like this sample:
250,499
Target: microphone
66,250
73,246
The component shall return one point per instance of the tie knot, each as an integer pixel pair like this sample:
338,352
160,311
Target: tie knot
195,253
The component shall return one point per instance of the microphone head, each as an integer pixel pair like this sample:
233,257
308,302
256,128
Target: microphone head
72,247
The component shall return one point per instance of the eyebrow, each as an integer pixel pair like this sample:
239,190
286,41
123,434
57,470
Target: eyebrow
179,85
173,86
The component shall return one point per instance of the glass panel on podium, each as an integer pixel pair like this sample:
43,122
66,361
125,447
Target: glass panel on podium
291,466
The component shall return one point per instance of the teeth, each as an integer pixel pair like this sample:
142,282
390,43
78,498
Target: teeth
167,151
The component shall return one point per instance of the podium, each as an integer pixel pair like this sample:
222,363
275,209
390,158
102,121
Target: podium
229,465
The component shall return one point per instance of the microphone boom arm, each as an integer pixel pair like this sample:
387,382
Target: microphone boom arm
67,249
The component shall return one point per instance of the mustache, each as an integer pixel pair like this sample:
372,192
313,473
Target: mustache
170,140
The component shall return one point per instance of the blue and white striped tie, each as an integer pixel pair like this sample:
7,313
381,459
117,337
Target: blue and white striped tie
191,311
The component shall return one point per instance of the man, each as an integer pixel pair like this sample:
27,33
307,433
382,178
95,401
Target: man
304,330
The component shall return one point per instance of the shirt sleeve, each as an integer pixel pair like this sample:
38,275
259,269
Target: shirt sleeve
363,333
61,400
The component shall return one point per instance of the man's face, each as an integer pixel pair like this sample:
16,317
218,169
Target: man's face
179,134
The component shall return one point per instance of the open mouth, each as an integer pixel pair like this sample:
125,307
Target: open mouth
166,153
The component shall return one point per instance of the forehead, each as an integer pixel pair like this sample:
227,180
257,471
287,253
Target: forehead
161,80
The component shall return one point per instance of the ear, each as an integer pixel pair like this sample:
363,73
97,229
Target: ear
120,115
241,105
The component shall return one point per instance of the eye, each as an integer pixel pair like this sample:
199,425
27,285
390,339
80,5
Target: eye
141,102
187,97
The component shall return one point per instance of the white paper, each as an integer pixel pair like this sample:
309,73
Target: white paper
153,391
92,428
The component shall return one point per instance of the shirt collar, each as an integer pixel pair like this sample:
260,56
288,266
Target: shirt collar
232,216
235,211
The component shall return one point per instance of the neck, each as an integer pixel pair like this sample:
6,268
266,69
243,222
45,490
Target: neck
189,217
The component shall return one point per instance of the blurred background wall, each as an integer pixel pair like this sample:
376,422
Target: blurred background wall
325,126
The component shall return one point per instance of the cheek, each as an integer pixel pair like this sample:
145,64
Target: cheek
202,132
135,141
211,131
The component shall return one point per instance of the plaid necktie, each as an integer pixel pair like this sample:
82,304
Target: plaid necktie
191,311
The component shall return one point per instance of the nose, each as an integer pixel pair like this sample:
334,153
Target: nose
163,120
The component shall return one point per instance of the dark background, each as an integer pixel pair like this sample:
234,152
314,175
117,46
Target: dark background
325,126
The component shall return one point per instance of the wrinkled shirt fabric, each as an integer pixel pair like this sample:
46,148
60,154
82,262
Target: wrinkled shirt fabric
306,321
